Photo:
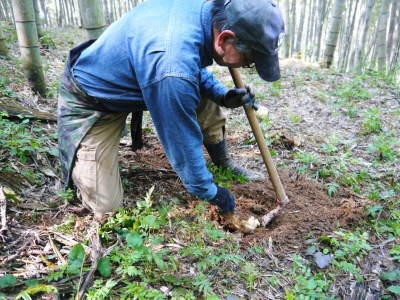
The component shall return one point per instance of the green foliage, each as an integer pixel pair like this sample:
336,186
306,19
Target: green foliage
76,258
372,122
7,281
225,177
67,194
101,291
47,40
395,289
295,119
276,88
20,140
383,146
332,188
391,275
36,289
4,90
307,285
52,90
353,90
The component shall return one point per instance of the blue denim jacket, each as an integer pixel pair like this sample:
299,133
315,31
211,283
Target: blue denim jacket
157,53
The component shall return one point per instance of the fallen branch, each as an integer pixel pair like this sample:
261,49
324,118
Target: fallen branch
15,110
3,214
57,252
95,253
67,240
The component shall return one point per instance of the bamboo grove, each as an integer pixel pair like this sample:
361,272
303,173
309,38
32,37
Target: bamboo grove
349,35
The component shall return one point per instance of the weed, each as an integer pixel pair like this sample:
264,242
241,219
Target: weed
47,40
372,122
295,118
4,90
275,88
383,146
306,160
307,285
52,90
19,140
332,188
67,195
225,177
354,90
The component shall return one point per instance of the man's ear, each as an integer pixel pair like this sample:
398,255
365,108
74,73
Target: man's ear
221,39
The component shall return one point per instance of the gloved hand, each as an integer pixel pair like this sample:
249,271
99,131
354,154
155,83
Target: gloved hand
224,200
237,97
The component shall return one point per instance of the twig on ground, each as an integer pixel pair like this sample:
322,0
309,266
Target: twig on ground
95,253
3,214
57,252
381,245
67,240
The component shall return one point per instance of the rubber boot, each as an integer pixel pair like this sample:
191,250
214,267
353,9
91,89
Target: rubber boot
220,157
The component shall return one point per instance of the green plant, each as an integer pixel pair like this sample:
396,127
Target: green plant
307,284
275,88
225,177
20,140
4,90
354,90
295,118
332,188
372,122
384,146
305,160
47,40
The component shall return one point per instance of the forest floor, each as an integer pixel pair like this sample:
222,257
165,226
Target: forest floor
334,138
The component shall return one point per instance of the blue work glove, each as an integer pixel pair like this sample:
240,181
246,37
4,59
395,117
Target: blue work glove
224,200
237,97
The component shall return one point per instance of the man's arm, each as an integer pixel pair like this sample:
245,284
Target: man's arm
220,94
211,88
172,104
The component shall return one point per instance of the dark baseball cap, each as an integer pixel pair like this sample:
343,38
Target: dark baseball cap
258,24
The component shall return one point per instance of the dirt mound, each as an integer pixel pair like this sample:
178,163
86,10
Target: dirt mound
310,213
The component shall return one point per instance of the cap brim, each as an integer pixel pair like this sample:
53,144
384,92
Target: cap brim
267,66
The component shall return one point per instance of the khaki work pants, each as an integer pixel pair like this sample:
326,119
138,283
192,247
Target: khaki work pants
96,171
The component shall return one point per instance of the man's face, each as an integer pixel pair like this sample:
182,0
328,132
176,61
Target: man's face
225,52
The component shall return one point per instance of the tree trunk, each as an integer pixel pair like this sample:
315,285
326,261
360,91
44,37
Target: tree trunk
382,35
92,17
39,26
106,12
392,27
45,12
293,26
287,28
360,53
299,36
349,36
3,44
395,63
29,44
309,26
320,24
333,33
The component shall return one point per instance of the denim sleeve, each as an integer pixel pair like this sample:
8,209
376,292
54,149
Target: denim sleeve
211,87
172,104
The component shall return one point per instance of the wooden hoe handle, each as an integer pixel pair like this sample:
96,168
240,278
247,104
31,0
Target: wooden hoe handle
272,172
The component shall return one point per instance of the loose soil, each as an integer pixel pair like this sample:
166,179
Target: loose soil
310,213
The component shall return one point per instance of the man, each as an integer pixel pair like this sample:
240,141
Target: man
155,58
